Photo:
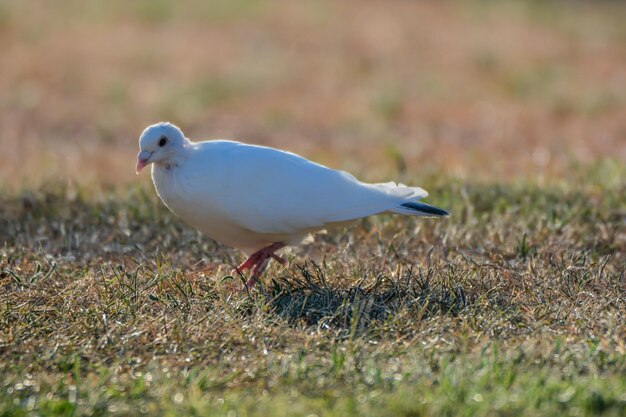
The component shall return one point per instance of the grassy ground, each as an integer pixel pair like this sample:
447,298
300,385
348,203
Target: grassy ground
509,113
513,306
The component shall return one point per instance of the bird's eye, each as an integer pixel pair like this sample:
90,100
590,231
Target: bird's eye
162,141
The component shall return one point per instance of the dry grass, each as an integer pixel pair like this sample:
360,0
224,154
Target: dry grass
510,113
537,84
516,305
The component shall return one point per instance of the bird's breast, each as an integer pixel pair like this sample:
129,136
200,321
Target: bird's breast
195,205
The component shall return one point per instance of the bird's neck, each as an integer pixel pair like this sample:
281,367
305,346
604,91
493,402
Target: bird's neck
177,158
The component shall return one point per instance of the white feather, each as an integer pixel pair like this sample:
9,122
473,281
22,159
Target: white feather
250,196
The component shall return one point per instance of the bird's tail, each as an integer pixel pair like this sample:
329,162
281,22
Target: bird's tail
412,208
415,208
400,190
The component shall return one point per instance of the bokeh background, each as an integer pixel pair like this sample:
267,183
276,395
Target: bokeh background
488,90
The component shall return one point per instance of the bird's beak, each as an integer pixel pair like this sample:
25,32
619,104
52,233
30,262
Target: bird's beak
143,159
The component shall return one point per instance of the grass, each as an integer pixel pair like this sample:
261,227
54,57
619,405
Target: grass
514,306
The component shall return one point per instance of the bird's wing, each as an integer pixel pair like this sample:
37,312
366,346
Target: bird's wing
271,191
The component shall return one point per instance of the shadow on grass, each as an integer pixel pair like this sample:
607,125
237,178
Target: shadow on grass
306,296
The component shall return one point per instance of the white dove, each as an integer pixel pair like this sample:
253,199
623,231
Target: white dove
260,199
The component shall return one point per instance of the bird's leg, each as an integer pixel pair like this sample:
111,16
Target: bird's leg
258,270
260,267
258,261
250,262
259,256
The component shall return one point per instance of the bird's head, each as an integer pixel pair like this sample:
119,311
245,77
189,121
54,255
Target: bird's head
159,143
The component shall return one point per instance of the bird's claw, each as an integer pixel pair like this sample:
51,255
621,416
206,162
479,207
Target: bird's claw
258,261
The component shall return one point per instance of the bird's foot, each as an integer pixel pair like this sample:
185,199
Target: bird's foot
247,264
258,261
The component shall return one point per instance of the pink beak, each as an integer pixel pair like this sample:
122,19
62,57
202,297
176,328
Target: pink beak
142,160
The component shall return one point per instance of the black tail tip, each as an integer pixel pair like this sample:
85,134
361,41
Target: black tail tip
425,208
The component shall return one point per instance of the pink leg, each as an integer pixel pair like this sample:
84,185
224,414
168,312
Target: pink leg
249,263
258,261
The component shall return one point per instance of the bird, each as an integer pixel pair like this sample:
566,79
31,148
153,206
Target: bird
259,199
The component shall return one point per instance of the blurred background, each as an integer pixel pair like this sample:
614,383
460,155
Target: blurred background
493,90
